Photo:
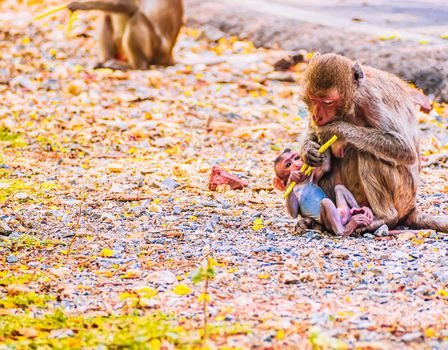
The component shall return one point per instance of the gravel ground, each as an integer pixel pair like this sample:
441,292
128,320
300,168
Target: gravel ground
104,180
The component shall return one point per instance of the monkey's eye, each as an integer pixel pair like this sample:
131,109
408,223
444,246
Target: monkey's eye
288,165
328,103
296,157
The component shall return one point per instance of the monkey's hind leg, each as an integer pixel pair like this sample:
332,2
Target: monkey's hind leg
140,42
108,48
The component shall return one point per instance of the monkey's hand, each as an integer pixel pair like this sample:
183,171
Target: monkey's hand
75,6
366,211
310,153
297,177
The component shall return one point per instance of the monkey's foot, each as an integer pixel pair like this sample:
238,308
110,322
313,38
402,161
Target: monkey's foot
113,64
306,224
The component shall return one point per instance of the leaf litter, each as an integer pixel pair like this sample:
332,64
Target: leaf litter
107,216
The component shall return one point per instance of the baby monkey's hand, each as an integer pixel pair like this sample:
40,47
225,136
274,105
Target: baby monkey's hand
366,211
297,177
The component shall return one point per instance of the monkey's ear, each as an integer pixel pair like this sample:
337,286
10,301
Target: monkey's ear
316,55
358,74
279,184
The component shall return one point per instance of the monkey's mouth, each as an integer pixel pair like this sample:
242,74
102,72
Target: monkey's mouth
318,121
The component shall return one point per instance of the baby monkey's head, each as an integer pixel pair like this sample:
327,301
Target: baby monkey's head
287,162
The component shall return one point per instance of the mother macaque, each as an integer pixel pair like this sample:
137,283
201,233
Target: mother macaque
374,113
135,33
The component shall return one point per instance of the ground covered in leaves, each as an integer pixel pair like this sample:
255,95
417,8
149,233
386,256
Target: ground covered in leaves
110,237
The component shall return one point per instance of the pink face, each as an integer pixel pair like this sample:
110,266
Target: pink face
291,161
324,108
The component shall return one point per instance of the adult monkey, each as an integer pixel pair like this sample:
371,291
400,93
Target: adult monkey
373,113
135,33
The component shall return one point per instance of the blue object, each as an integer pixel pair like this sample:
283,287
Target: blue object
309,202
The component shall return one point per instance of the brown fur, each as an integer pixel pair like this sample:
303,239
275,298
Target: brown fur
135,33
377,119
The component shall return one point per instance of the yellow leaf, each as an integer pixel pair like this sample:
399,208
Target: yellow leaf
390,37
115,168
193,218
124,296
107,253
418,241
182,289
257,224
430,333
130,275
442,293
264,276
444,36
146,292
155,344
280,334
205,297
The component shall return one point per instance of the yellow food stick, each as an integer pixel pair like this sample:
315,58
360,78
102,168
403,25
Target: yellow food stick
327,144
50,12
308,169
73,17
289,189
303,168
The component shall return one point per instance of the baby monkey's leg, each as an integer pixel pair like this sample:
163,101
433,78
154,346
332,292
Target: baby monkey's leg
344,202
330,217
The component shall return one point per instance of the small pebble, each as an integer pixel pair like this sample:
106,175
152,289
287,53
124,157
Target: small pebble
11,259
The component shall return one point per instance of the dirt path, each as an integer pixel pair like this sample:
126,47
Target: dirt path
400,38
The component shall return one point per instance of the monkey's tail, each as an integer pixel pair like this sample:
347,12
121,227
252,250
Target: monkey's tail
426,221
118,6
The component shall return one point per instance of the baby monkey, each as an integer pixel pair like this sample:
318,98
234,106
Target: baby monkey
308,199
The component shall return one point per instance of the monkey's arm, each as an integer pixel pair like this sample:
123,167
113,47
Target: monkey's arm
324,168
388,145
116,6
292,206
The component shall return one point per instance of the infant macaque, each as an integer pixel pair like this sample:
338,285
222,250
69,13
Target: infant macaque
308,199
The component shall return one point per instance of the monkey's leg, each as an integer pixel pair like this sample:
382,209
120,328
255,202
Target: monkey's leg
330,217
344,201
108,49
165,58
139,42
425,221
